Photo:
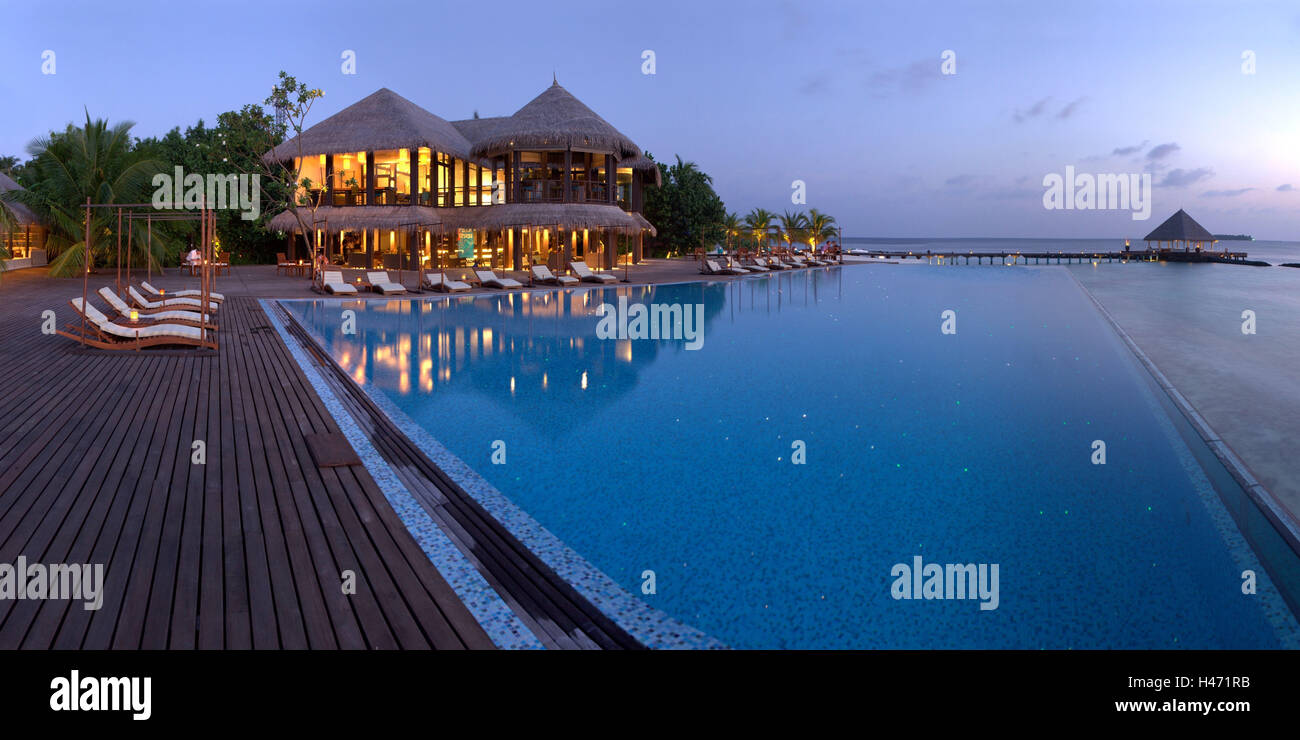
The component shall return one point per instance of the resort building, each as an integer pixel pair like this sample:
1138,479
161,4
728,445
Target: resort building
394,186
21,233
1180,231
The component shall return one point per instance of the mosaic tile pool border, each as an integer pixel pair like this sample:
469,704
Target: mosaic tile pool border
502,625
652,627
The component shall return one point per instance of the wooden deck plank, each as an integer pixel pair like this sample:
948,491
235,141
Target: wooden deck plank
245,551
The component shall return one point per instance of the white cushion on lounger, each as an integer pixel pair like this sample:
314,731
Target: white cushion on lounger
438,281
333,282
381,281
181,293
165,303
544,274
120,306
488,277
101,321
584,272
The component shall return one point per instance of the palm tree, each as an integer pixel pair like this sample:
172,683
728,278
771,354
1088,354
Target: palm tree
821,228
793,227
731,226
758,223
96,161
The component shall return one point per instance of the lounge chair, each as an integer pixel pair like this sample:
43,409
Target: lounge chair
753,265
333,282
489,279
145,315
180,293
104,333
582,271
437,281
543,275
812,260
380,283
173,303
283,263
714,268
771,263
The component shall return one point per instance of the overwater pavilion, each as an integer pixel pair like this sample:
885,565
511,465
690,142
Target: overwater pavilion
1180,231
400,188
21,232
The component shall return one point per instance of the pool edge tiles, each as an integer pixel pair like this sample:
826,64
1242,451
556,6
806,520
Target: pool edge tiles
649,625
502,625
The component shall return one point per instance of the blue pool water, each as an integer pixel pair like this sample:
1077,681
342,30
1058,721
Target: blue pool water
967,448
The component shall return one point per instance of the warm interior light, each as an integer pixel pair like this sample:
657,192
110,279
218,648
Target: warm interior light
135,315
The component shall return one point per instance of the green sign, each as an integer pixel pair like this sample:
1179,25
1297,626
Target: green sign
465,243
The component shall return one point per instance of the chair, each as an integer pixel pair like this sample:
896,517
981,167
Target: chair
582,271
333,282
180,303
104,333
144,315
711,267
282,263
180,293
543,275
438,281
489,279
380,283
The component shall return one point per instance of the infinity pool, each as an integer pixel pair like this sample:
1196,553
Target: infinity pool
968,448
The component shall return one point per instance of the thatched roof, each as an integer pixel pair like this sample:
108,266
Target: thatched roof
474,129
383,120
553,119
1180,228
22,214
642,163
360,217
490,218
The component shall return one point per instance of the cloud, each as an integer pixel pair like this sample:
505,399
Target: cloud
1225,193
1162,151
1124,151
1071,108
1034,111
1180,178
961,181
912,78
817,83
1286,188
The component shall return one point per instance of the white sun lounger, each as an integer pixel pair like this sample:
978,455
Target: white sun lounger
543,274
380,282
437,281
716,269
489,279
119,305
582,271
112,335
180,293
334,283
174,303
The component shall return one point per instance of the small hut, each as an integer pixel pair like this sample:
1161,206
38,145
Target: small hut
21,233
1180,231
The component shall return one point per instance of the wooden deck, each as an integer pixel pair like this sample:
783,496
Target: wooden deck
245,551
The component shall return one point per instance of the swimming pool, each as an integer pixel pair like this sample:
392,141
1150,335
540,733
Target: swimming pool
974,447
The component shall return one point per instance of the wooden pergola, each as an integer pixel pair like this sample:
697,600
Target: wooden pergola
1180,231
149,213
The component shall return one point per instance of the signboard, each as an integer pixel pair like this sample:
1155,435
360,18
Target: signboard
465,243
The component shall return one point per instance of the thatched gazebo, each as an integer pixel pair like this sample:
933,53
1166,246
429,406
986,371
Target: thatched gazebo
21,231
1180,229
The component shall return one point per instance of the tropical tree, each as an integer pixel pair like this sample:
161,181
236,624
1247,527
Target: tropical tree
97,162
252,133
731,227
759,224
793,227
686,212
821,228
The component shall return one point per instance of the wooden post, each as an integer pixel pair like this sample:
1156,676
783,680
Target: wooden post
85,275
568,165
328,186
370,178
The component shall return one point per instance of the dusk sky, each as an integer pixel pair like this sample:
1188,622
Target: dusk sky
847,97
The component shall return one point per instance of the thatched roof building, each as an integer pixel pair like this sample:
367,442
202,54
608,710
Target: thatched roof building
553,181
382,120
553,119
19,212
1181,228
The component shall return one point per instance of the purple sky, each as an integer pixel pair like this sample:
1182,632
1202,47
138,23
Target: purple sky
847,97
